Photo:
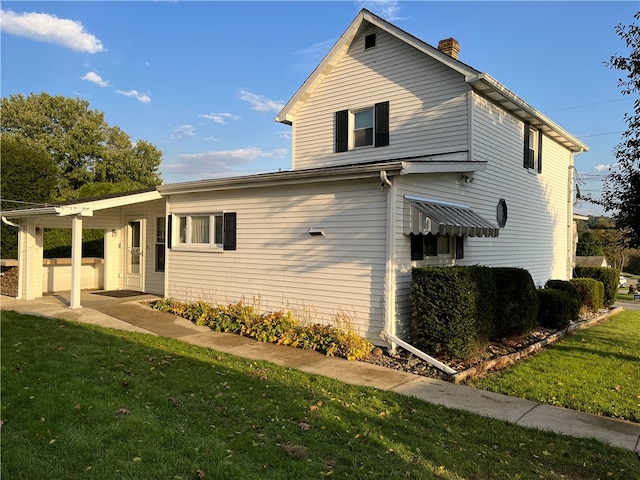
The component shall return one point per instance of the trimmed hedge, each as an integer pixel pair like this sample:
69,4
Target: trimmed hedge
443,311
517,308
608,276
456,309
591,291
556,308
571,291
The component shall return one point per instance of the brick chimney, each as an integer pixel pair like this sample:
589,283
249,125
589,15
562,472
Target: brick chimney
450,46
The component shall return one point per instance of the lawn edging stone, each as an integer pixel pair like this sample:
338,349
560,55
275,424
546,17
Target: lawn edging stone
511,358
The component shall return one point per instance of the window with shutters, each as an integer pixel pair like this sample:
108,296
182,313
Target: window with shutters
215,231
365,127
532,149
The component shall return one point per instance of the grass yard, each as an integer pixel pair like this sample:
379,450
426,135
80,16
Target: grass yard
593,370
84,402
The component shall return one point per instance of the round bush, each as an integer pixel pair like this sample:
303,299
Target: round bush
556,308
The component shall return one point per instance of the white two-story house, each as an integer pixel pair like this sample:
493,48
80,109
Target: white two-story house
402,156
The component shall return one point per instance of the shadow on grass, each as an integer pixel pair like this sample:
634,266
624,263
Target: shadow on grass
81,400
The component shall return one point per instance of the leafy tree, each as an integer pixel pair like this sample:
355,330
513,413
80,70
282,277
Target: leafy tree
28,176
83,146
589,244
621,193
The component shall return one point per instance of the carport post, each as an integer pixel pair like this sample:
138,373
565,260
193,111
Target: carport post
76,261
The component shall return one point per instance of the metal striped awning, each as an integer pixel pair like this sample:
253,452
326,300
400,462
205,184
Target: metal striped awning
435,217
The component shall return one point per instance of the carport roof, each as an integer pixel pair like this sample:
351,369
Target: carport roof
85,206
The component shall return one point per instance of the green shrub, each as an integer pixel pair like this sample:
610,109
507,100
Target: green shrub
57,243
443,311
517,307
485,299
608,276
568,288
591,291
556,308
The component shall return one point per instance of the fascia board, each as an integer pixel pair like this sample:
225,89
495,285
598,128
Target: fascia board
495,91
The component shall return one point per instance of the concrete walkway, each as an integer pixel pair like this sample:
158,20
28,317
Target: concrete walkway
130,312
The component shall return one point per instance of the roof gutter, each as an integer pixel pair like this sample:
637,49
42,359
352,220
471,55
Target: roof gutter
294,177
487,85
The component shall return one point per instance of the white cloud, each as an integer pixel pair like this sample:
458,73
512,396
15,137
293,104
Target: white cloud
43,27
183,131
93,77
261,103
602,167
212,163
219,117
387,9
142,98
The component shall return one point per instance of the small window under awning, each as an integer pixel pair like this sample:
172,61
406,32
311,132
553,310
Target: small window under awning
431,216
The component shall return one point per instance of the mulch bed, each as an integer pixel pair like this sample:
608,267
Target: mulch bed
496,355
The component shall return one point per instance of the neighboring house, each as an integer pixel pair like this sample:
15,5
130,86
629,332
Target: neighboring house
591,261
403,156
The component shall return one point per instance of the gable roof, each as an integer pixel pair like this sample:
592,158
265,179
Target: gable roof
591,261
481,82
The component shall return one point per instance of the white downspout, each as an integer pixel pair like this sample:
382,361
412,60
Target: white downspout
388,334
390,274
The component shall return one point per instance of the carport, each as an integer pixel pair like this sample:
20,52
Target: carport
122,217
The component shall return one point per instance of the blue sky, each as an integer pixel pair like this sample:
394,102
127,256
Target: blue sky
203,81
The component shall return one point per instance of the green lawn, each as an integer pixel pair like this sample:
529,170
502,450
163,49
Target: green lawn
84,402
593,370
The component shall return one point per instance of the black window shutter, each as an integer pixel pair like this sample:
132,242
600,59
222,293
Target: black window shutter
382,124
526,145
229,241
342,131
417,247
169,231
540,152
459,247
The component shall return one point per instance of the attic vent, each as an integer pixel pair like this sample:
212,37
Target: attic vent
370,41
450,46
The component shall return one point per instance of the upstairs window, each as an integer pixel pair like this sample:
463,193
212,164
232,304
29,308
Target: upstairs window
532,149
363,128
367,127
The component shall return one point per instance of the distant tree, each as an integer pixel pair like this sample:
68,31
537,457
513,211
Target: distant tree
27,174
83,146
27,178
589,244
621,194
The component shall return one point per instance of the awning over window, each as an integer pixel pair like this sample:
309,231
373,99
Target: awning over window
421,216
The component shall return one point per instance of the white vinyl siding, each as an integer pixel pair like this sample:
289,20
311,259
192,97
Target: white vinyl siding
428,109
279,265
536,235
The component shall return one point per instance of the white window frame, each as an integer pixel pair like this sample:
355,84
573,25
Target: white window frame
353,129
215,232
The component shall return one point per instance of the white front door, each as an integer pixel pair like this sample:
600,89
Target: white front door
134,276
